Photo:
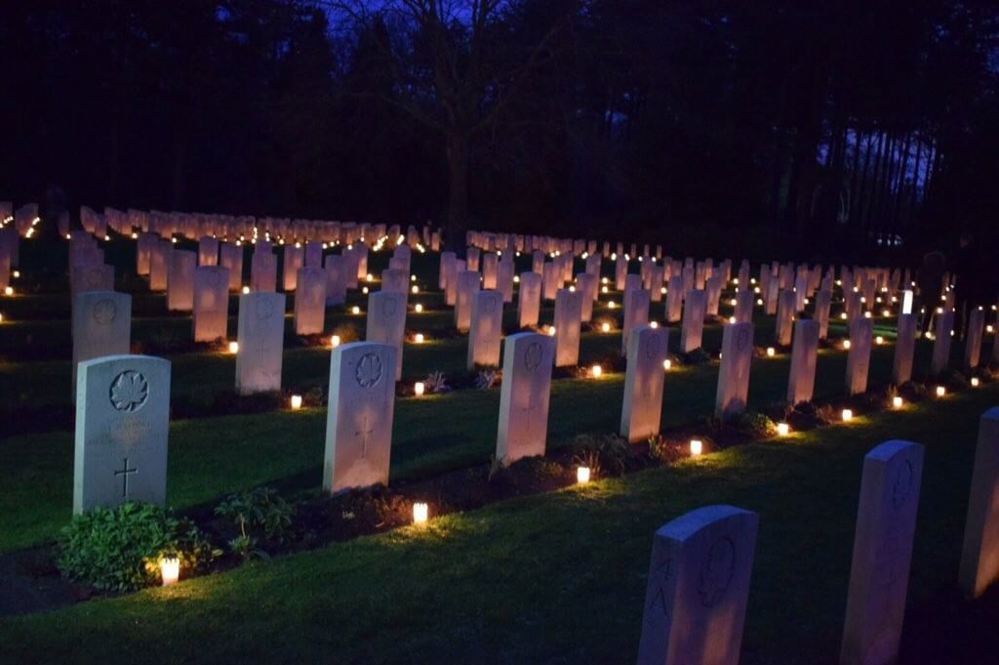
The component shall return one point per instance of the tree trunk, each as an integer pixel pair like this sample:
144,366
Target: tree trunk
457,211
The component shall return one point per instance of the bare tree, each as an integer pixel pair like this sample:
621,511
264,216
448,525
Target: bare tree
457,67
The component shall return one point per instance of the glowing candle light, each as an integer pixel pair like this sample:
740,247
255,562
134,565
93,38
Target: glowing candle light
842,315
233,347
771,352
654,324
296,402
418,338
759,302
696,447
170,571
990,328
246,290
974,382
847,415
8,290
667,364
415,289
419,308
896,402
611,304
355,310
420,513
603,289
516,279
731,319
364,290
17,274
605,327
369,277
879,340
334,341
597,371
846,344
419,388
582,475
783,429
941,391
551,331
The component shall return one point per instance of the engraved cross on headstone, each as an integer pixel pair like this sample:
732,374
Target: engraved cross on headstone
365,431
124,473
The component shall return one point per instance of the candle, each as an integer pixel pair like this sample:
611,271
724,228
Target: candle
420,513
419,388
847,415
296,402
246,290
170,571
582,475
771,351
696,447
896,402
974,382
355,309
418,338
419,308
605,327
334,341
941,391
667,364
597,371
783,429
233,347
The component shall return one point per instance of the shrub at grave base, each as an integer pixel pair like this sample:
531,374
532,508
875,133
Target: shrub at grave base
666,452
259,513
755,424
119,549
606,454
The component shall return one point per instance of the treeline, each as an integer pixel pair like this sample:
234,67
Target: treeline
819,129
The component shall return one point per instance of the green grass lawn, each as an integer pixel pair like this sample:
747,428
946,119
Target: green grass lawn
550,578
211,457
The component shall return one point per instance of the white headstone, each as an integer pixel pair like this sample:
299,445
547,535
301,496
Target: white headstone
359,417
691,334
882,552
310,301
698,587
260,333
858,359
387,323
122,423
980,554
529,299
467,285
636,313
568,309
642,410
263,271
804,356
524,396
973,333
905,346
211,303
942,342
486,328
102,326
180,280
733,375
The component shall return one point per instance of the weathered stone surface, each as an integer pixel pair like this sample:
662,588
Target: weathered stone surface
486,329
524,396
122,423
359,417
804,357
260,333
882,552
641,412
698,587
980,553
733,375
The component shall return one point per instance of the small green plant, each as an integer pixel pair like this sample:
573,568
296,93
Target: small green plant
119,549
754,424
609,453
259,512
663,451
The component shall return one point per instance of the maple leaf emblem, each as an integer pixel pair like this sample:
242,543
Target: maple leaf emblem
369,370
129,391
